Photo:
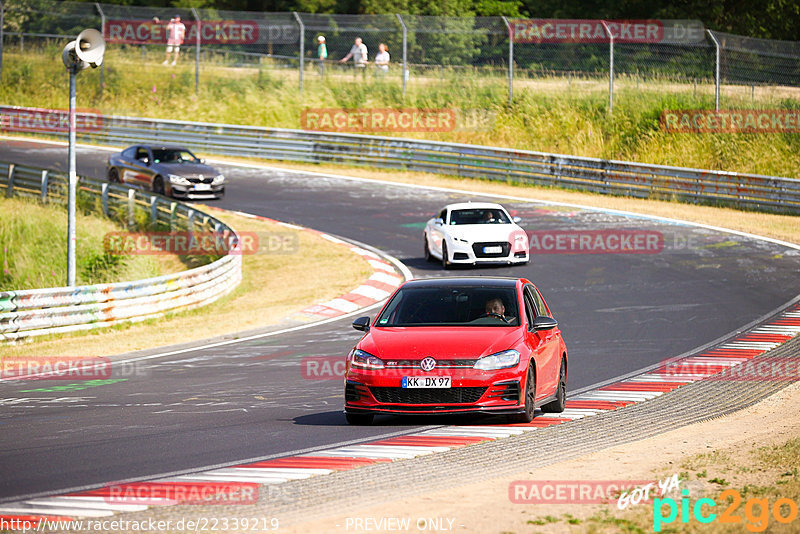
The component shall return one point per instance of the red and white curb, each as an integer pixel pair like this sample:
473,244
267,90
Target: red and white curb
379,286
705,365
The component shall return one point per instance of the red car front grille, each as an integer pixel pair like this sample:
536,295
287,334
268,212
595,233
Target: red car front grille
388,395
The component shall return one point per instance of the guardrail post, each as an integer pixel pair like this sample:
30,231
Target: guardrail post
131,207
2,24
153,211
104,198
610,67
44,186
405,52
302,46
510,61
103,32
197,53
173,208
10,188
716,70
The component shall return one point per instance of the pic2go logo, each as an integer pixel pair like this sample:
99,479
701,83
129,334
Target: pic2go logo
756,511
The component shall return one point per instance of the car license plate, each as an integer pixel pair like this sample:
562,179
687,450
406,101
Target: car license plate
492,250
202,187
426,382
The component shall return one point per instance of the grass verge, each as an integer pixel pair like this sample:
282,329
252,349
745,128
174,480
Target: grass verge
273,287
548,115
34,249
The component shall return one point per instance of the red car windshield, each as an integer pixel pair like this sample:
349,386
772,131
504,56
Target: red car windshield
451,306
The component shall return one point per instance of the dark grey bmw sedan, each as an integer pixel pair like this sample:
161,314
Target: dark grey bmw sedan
166,170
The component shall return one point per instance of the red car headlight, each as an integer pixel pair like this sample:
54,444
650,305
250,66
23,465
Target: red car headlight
364,360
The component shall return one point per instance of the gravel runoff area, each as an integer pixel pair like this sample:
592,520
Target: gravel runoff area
343,492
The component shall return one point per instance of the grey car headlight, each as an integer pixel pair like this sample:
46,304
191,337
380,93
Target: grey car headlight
218,179
180,180
500,360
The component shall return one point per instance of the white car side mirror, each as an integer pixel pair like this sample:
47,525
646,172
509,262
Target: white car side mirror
517,219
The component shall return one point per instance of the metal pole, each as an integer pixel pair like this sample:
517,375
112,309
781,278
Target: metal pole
510,61
716,70
73,182
302,46
405,52
610,68
2,24
197,53
102,31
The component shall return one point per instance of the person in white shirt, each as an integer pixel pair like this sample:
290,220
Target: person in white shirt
359,54
382,59
176,31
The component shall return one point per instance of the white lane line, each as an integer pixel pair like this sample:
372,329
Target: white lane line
342,305
347,453
676,377
264,473
386,279
381,266
371,292
286,471
618,395
95,503
334,239
749,345
778,329
203,477
27,509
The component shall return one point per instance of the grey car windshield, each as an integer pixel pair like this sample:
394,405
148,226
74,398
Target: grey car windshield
169,155
449,306
479,216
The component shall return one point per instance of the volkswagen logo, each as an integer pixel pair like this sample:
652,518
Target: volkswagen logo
427,364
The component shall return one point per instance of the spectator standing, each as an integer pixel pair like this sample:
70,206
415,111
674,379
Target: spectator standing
322,54
359,54
382,60
176,32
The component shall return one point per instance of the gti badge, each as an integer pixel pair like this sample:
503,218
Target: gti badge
427,364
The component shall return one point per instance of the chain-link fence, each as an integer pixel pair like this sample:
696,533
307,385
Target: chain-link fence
520,54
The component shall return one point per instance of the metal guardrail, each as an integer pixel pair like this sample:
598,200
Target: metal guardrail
38,312
749,191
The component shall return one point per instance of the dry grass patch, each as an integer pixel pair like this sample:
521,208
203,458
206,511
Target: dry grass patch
273,287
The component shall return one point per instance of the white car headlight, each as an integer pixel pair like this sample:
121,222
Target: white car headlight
364,360
180,180
499,360
218,179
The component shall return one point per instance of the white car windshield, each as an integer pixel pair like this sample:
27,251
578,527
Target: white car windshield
479,216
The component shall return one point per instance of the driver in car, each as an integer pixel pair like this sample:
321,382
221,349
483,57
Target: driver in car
496,308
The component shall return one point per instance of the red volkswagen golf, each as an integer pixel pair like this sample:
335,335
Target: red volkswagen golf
458,345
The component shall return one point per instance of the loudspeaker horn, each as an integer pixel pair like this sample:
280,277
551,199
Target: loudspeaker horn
90,47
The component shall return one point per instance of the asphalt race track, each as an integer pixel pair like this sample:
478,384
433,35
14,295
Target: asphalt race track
619,313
